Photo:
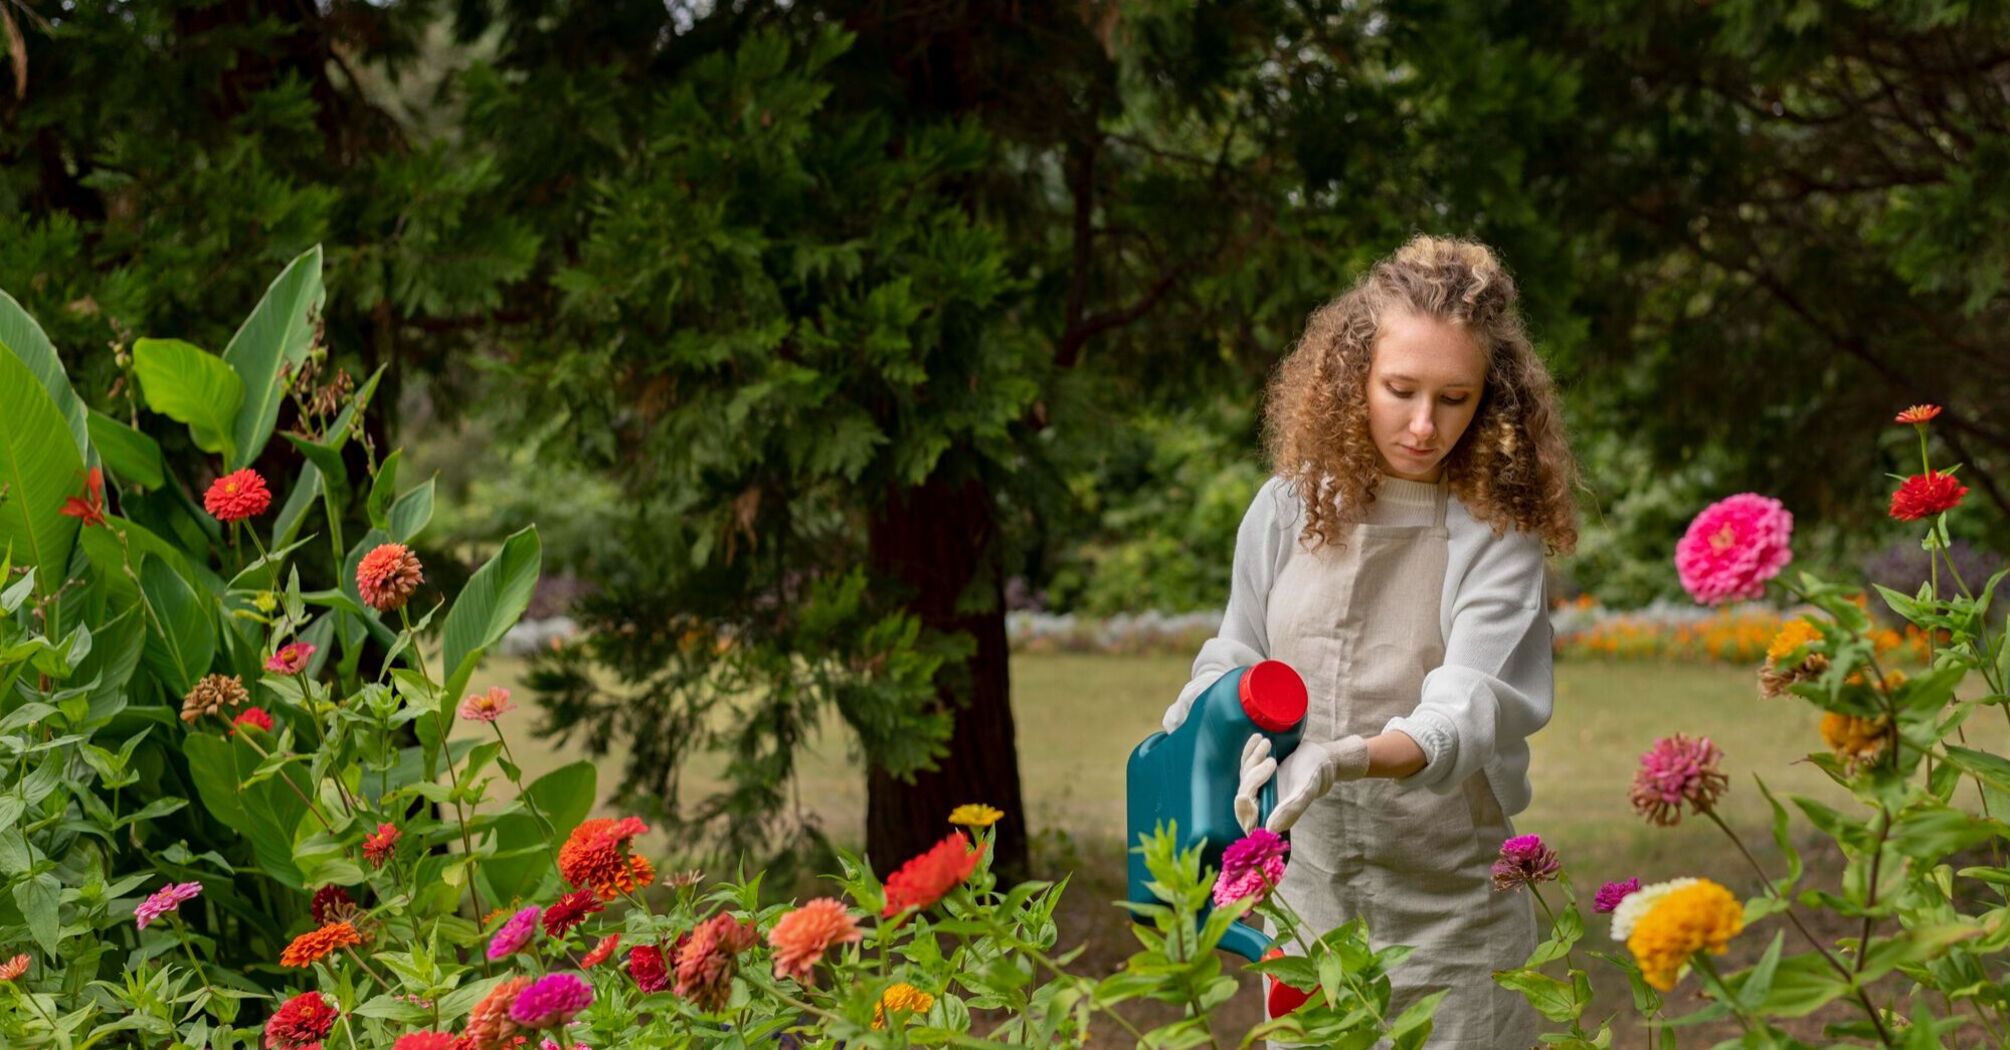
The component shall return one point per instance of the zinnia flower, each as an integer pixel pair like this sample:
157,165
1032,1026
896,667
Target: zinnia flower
1639,903
1788,662
1855,739
91,509
312,946
378,846
603,951
486,707
167,899
1678,769
387,576
212,694
595,857
1524,861
801,937
902,998
645,965
1252,866
569,911
237,495
300,1023
255,717
489,1025
332,903
1612,893
975,815
706,962
514,934
1734,547
1702,917
929,876
424,1041
291,658
12,969
1918,415
551,1001
1924,495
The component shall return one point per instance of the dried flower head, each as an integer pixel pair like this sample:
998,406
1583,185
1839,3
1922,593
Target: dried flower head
1675,770
387,576
1788,661
212,694
1251,866
332,903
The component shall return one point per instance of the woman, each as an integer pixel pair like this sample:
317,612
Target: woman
1396,561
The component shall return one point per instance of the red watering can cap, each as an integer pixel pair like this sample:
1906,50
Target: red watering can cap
1273,696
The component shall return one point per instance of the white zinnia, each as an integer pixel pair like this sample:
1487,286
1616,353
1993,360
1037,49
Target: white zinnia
1640,902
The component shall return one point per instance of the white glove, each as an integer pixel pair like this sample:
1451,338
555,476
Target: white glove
1309,772
1257,766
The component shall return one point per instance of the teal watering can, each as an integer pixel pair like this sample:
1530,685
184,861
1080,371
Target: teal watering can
1188,777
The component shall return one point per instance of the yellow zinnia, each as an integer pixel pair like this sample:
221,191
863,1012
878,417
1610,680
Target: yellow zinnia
1702,916
1792,637
975,815
1855,739
903,998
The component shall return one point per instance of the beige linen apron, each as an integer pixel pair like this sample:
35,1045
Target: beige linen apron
1361,623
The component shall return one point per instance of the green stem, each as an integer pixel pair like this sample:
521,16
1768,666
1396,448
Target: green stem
288,780
1701,960
516,778
181,934
1773,892
446,749
351,953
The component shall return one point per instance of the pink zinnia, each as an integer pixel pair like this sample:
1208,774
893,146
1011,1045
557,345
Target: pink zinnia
1251,867
291,658
551,1001
1678,769
1524,861
165,900
801,937
387,576
514,934
255,717
486,707
237,495
377,848
1610,894
14,968
1734,547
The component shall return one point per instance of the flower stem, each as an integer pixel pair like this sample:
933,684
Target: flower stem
1774,893
181,934
351,953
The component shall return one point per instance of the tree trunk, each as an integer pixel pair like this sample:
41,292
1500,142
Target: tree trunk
938,540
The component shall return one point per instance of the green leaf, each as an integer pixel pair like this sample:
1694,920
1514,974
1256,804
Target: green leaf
1551,998
130,455
191,386
411,512
267,813
565,796
40,899
181,632
279,332
306,491
326,458
40,467
384,491
496,595
20,334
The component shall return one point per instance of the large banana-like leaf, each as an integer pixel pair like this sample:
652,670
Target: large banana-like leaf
40,467
20,334
279,332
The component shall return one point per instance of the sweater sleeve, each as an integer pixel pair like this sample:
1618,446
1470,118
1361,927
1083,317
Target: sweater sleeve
1495,687
1243,638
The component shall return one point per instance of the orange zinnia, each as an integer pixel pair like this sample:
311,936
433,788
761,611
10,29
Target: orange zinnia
930,876
595,856
1918,414
310,947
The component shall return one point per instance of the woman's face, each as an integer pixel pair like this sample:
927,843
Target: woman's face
1424,385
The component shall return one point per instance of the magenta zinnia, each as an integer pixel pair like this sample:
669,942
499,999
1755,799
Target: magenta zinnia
163,901
1612,893
1524,860
291,658
1251,867
551,1001
1675,770
1734,547
514,934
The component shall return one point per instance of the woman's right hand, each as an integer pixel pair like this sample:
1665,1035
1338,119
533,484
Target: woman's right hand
1257,767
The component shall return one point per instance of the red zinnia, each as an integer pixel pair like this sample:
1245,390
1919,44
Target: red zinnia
237,495
377,848
1918,414
424,1041
595,856
601,952
387,576
930,876
300,1024
1924,495
92,507
254,717
569,911
645,965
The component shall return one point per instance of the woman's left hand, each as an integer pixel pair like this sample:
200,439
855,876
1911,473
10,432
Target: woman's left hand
1257,767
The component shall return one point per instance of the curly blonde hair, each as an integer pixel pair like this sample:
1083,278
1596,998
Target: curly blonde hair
1512,468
